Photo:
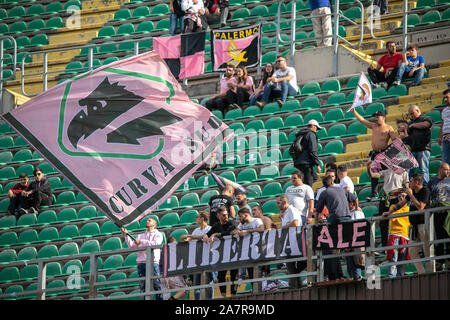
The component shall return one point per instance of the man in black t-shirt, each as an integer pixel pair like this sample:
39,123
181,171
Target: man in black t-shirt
223,227
419,138
224,199
419,198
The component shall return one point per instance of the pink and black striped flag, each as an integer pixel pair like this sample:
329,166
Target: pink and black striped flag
126,135
184,54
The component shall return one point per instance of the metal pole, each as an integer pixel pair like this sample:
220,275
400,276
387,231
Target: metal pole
93,275
336,39
309,253
405,25
293,16
42,273
45,71
91,58
429,235
148,272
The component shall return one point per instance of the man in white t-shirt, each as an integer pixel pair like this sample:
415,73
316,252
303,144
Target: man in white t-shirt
301,196
241,201
291,217
281,84
345,181
202,222
247,225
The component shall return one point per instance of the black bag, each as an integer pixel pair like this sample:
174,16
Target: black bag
296,147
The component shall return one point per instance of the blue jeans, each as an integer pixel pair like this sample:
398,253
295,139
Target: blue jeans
352,270
197,281
283,90
14,204
399,270
173,23
156,282
445,147
405,69
423,158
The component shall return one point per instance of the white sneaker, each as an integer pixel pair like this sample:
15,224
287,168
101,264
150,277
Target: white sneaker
384,85
396,83
377,85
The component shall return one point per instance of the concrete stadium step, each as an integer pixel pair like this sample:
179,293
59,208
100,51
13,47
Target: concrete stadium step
385,26
443,71
432,86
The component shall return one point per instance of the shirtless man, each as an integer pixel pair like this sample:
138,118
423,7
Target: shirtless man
381,133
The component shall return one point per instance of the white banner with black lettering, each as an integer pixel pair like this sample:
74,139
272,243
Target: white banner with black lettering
232,251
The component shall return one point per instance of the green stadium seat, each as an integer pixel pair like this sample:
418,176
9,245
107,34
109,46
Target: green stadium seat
4,204
39,40
7,173
141,12
46,217
247,176
29,272
356,129
271,156
27,253
353,13
315,115
67,215
170,219
8,238
145,27
130,260
413,20
71,248
74,67
3,27
189,200
254,126
54,23
333,148
233,114
110,60
111,244
53,269
435,116
268,57
268,173
90,246
430,17
270,109
70,266
334,115
22,156
6,142
5,128
171,202
89,229
274,123
364,178
35,10
351,116
8,256
122,14
26,220
125,29
108,228
163,24
337,131
397,91
370,211
72,3
332,85
293,121
335,100
106,32
206,181
53,7
18,27
377,94
178,233
7,222
160,9
310,103
272,189
259,11
113,262
424,4
237,127
20,143
240,14
436,151
228,175
277,139
9,274
363,194
69,232
270,207
373,108
16,12
188,218
48,251
27,237
65,198
310,88
446,15
291,106
352,83
88,212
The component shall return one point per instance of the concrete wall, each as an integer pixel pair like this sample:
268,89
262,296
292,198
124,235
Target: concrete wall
316,64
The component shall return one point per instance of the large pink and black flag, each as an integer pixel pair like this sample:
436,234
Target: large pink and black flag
183,53
126,135
236,47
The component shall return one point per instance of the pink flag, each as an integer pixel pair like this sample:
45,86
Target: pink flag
126,135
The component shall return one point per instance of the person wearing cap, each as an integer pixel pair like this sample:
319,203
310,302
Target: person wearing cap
419,135
381,133
309,156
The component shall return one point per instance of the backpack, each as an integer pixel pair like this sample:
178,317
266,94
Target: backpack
296,147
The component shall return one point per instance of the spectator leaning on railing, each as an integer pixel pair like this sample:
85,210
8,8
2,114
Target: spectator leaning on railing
444,133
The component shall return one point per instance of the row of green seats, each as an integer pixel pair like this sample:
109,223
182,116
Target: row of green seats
34,25
429,18
25,42
37,9
21,156
426,4
141,12
7,173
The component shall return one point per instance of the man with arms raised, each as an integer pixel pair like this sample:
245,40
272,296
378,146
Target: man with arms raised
381,133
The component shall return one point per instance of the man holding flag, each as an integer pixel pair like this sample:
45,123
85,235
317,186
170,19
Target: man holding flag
381,132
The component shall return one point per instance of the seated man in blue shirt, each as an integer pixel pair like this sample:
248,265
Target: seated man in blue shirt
413,65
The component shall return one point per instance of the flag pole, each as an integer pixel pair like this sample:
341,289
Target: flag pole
133,238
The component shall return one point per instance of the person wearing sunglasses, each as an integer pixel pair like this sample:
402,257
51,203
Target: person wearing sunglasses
281,84
14,194
37,194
